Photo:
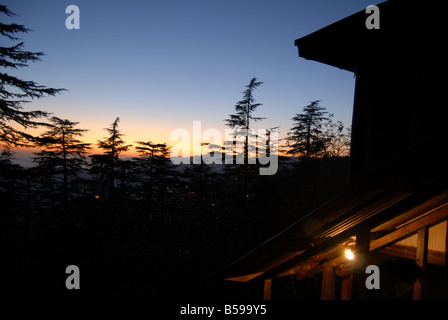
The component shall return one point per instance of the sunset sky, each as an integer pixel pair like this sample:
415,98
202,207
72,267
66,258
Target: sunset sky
159,65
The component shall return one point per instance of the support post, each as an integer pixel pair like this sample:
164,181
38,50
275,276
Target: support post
359,290
346,288
446,244
328,283
267,289
421,260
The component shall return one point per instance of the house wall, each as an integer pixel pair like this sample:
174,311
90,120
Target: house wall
400,99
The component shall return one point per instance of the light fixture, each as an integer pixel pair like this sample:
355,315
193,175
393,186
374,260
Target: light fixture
349,254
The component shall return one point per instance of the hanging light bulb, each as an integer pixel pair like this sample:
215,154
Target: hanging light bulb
349,254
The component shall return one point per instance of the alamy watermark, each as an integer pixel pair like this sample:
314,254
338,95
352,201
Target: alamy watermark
73,20
210,147
373,280
72,281
373,20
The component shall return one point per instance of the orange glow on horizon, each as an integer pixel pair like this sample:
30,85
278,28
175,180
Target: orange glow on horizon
131,134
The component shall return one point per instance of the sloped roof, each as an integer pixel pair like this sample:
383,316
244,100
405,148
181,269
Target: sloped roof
404,185
405,25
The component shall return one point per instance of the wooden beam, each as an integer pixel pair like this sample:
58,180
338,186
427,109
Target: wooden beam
434,217
436,257
328,283
244,278
292,245
267,289
421,260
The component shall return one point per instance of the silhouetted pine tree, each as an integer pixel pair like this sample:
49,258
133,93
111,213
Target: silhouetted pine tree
146,167
306,140
15,92
166,182
112,146
242,120
63,157
126,176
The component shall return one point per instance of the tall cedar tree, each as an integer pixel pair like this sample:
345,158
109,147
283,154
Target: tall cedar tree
112,146
146,162
242,121
15,92
305,140
165,179
63,153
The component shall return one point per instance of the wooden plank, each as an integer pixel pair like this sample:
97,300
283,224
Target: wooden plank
410,252
409,229
244,278
435,203
267,289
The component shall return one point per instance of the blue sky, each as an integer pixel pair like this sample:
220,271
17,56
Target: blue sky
160,65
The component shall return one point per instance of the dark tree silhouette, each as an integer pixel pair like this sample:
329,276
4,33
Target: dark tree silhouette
245,108
305,140
12,194
63,154
336,137
199,186
165,178
242,120
112,146
146,163
15,92
99,173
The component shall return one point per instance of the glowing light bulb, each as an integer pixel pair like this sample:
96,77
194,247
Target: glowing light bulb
349,254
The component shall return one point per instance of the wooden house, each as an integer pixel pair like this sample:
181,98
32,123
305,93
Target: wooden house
394,212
